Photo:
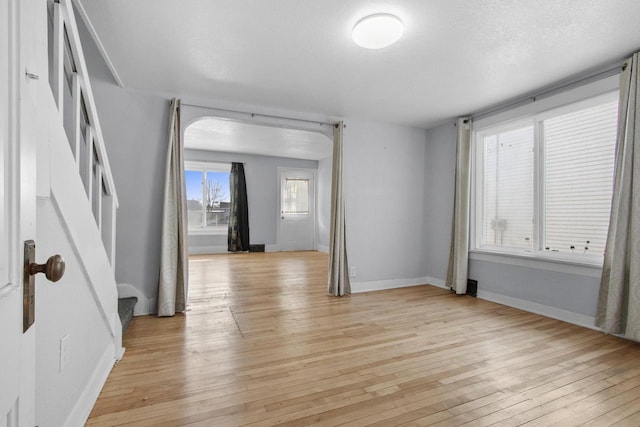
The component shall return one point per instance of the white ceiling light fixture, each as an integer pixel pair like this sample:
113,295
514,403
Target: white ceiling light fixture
377,31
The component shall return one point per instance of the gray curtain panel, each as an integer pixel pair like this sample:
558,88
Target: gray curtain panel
619,298
172,286
339,284
459,252
238,235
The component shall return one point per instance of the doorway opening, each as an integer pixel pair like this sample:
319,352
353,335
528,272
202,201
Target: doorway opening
279,219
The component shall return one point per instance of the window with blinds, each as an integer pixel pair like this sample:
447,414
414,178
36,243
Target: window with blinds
544,184
578,178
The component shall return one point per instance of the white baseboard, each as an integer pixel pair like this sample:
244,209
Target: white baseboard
437,282
118,349
323,248
152,306
544,310
271,248
532,307
379,285
82,409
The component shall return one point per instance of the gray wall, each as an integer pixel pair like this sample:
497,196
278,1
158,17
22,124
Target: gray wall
399,192
261,173
440,175
324,202
134,126
385,193
576,293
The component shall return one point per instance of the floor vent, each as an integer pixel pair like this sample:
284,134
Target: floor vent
472,287
256,247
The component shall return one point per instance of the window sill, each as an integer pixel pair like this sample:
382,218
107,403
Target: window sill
563,264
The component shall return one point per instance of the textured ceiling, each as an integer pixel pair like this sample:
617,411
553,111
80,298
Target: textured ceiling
456,56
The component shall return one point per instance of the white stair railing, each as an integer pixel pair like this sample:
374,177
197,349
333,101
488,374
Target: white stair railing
69,80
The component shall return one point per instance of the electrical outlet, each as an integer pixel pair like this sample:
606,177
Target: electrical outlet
353,272
64,352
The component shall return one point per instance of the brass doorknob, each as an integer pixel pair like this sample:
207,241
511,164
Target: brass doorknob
53,269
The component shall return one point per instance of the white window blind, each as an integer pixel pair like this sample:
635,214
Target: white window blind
508,188
578,169
544,183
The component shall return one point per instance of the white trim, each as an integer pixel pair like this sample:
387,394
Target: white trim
94,35
118,349
207,166
437,282
379,285
557,265
272,248
152,304
323,248
532,307
590,95
82,409
541,309
313,199
90,104
571,96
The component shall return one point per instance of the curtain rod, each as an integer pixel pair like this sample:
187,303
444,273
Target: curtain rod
553,90
260,115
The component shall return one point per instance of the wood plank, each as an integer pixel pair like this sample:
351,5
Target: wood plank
263,344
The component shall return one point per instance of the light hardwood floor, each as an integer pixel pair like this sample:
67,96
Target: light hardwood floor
263,344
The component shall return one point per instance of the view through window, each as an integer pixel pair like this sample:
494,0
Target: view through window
207,197
296,196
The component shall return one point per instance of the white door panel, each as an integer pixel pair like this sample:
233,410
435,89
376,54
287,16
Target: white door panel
297,227
10,290
22,34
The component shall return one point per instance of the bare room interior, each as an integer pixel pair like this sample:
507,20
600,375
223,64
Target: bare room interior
330,213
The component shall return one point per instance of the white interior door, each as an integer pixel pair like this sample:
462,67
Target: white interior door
10,290
18,135
297,228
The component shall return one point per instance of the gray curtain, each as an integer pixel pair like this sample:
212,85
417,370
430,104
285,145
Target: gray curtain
172,286
338,267
619,298
459,252
238,235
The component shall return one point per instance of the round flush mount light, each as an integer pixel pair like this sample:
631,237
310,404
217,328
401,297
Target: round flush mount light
377,31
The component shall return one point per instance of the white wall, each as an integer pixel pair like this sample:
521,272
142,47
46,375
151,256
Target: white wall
83,304
385,192
261,173
67,308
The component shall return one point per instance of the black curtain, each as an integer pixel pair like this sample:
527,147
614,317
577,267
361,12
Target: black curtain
238,237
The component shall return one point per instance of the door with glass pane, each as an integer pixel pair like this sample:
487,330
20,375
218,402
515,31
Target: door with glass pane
297,210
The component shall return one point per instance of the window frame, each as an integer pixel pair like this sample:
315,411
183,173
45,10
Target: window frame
204,167
535,117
